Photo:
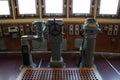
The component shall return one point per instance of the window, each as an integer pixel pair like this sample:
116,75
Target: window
108,7
54,7
4,7
81,6
26,7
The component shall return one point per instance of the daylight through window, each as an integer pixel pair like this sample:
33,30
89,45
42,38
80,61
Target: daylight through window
27,6
4,7
54,6
108,7
81,6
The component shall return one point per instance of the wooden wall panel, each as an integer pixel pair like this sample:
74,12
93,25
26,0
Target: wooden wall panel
13,44
108,43
104,42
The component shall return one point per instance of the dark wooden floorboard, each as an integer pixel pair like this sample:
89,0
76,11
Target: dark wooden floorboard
105,70
114,61
9,67
10,64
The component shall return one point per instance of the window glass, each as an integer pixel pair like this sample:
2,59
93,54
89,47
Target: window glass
4,7
54,6
108,7
81,6
27,6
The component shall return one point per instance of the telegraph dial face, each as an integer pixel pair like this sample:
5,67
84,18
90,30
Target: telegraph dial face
36,27
55,29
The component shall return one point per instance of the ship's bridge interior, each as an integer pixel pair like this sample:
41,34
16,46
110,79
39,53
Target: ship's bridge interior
59,39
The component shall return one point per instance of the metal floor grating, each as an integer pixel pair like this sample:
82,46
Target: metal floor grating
59,74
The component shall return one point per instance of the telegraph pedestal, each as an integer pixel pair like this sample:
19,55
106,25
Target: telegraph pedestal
90,29
55,39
